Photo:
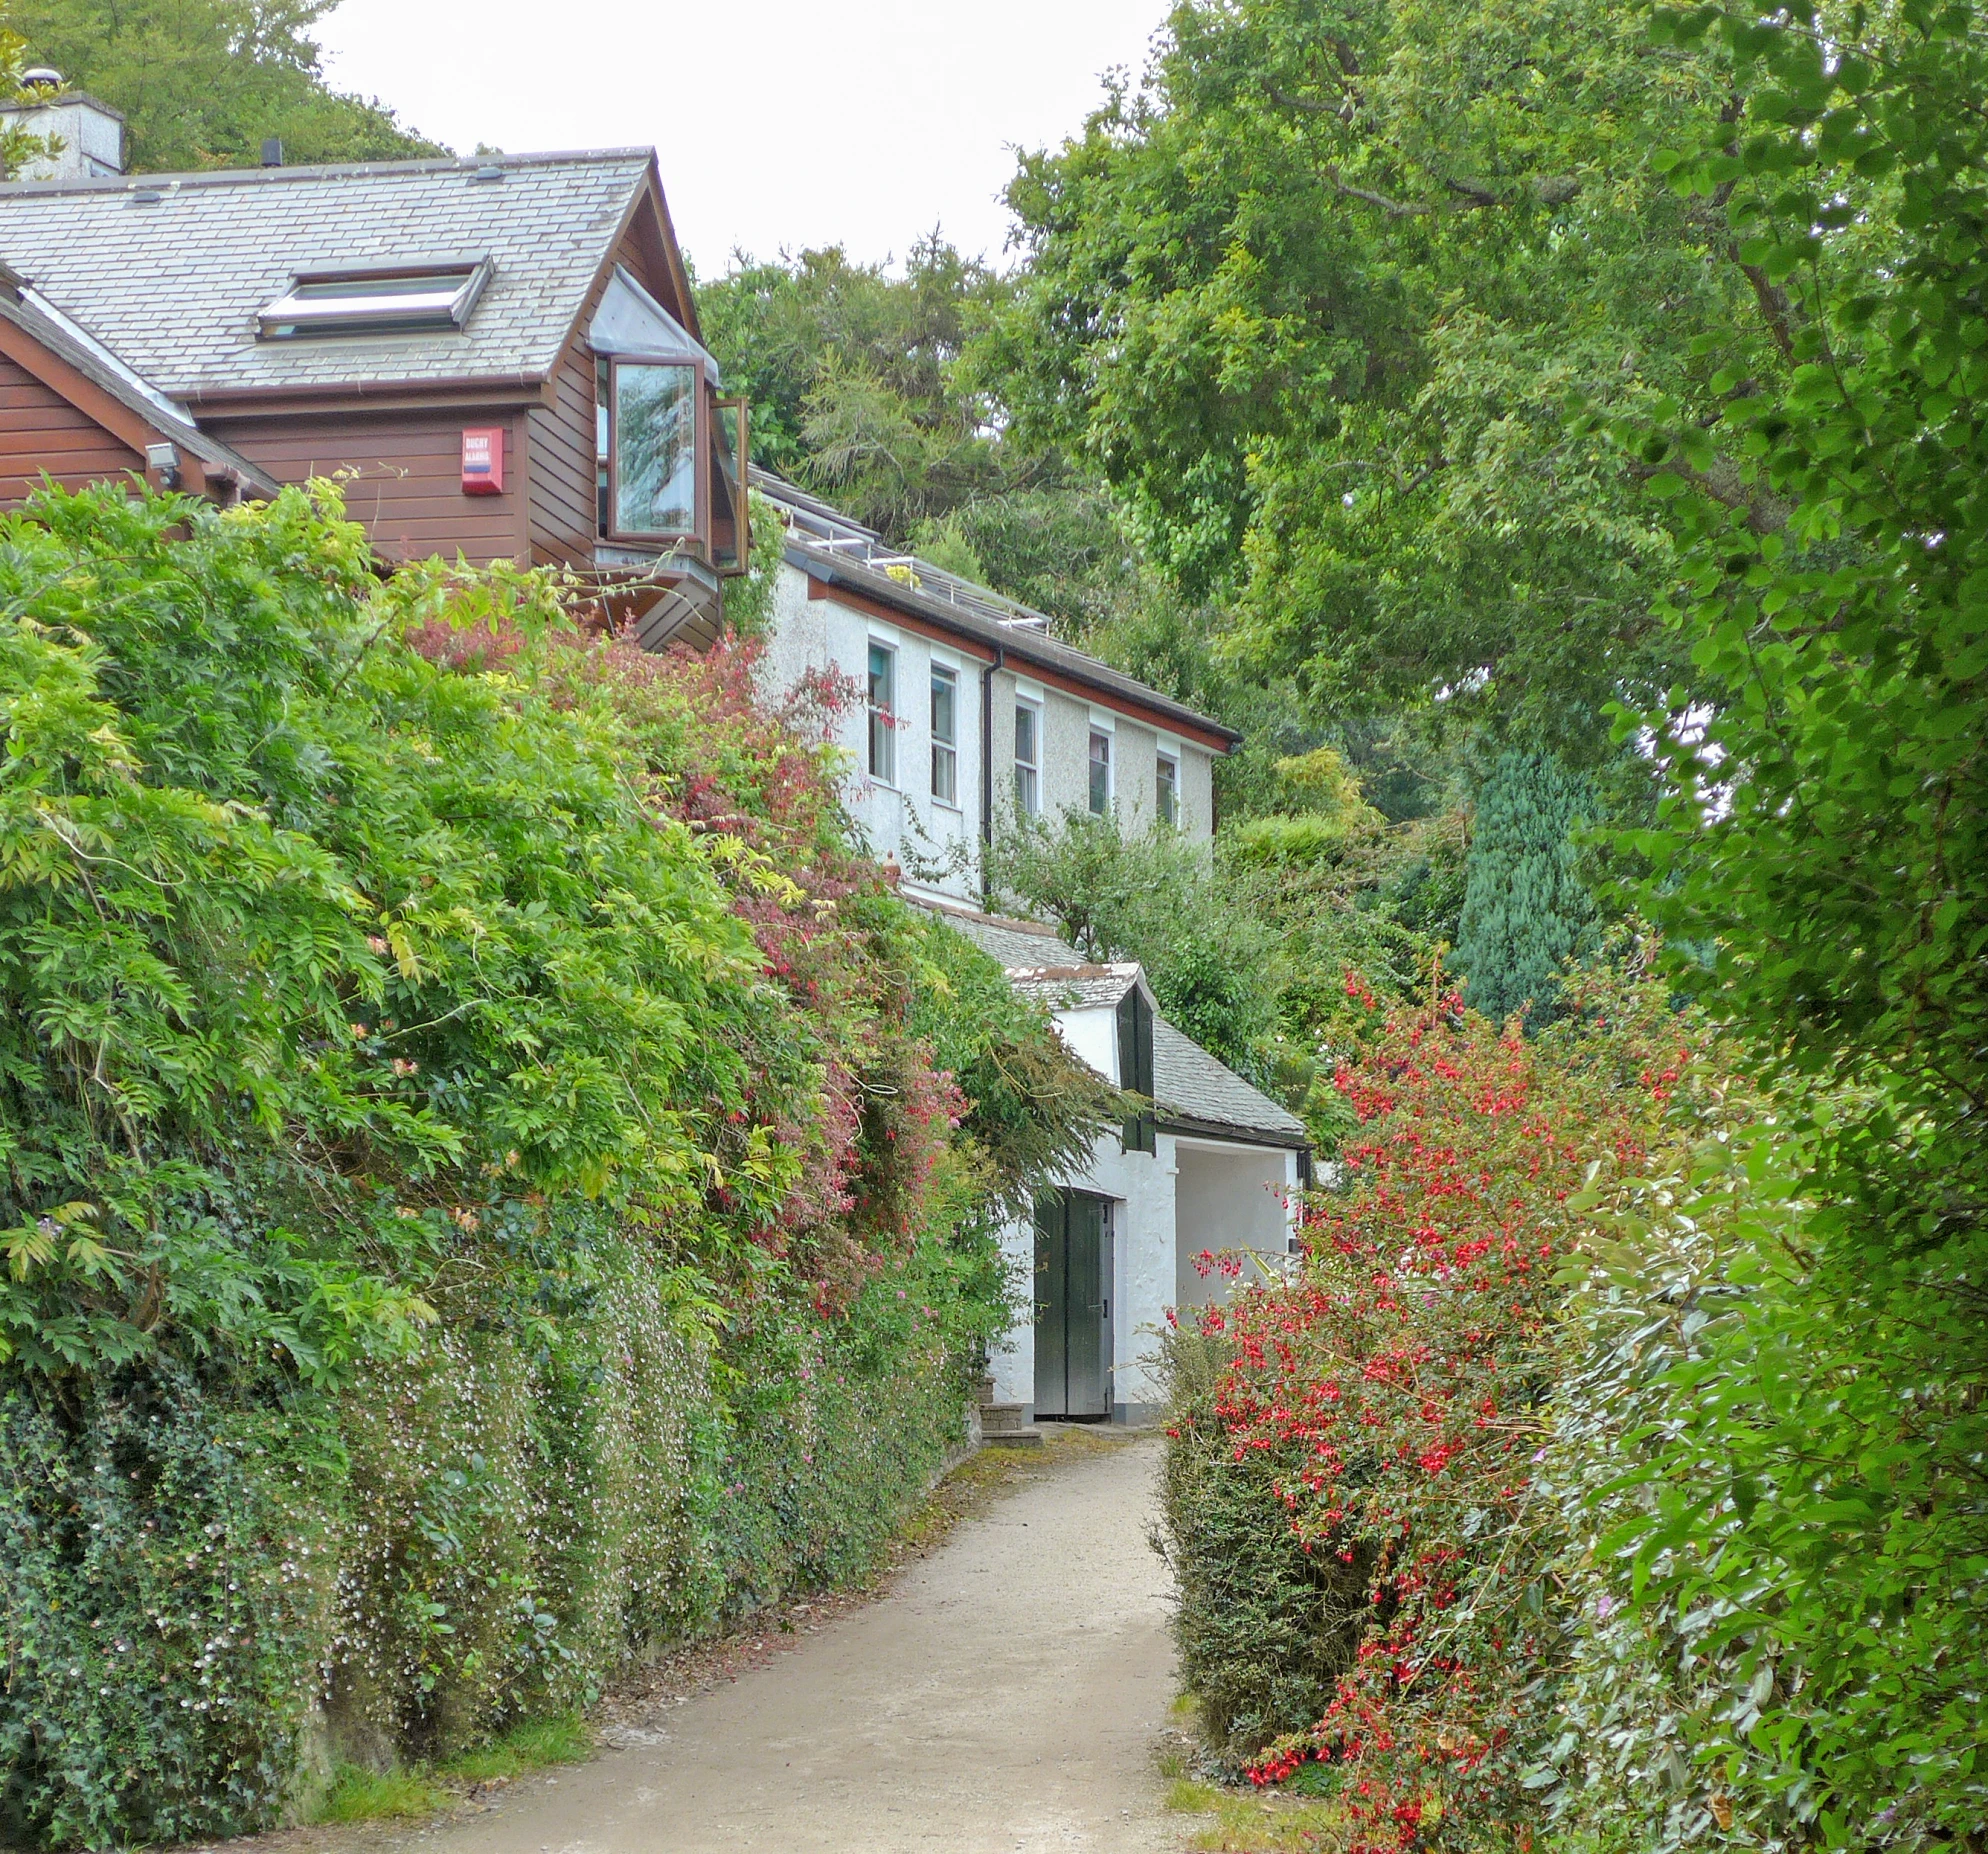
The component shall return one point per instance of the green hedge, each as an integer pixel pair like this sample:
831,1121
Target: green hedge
490,1180
1264,1629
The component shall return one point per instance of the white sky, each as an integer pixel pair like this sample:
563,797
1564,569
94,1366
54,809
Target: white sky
777,122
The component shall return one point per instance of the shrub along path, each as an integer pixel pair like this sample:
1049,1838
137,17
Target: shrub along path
1005,1695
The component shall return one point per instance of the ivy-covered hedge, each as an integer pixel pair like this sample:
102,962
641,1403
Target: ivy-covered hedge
490,1179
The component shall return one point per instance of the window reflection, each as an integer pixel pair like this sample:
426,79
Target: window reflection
655,449
945,736
882,704
1028,797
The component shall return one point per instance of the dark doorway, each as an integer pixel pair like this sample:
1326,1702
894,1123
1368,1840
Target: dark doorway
1073,1307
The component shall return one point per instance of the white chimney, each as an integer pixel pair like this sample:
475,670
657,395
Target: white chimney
90,134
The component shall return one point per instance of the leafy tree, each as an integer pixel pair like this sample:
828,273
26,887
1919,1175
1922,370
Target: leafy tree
1813,1488
852,375
1314,301
863,391
1154,899
1526,912
202,83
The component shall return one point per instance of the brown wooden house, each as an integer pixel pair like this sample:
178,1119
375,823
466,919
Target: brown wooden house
498,357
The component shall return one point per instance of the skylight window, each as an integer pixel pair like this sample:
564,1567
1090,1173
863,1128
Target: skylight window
375,302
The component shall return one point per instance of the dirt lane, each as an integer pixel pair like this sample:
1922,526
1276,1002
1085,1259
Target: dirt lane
1002,1699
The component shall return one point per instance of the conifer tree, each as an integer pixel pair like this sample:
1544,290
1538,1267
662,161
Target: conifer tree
1525,911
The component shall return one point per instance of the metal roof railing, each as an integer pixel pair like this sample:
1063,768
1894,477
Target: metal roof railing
823,527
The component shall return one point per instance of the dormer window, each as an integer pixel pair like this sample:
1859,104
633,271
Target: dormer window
413,300
670,453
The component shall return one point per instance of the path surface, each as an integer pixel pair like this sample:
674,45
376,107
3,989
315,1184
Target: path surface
1004,1696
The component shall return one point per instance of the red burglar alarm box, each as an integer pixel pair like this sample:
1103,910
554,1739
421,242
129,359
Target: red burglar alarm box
483,462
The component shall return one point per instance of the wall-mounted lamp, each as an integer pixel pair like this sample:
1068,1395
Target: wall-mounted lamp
164,458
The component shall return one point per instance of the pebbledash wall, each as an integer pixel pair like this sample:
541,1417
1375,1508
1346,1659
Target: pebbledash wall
817,631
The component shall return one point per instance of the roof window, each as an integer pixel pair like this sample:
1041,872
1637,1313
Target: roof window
375,302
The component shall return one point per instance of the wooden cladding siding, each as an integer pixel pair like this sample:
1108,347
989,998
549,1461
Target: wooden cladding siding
41,431
402,477
564,512
565,507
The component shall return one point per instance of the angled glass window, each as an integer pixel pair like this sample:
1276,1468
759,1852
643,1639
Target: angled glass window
1166,793
654,442
1028,746
882,704
945,735
731,525
374,302
1100,772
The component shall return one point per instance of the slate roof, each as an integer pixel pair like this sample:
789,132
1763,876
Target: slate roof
1014,943
1074,988
173,286
1192,1091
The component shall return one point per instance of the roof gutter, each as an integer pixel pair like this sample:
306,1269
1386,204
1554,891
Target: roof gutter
1170,1120
489,388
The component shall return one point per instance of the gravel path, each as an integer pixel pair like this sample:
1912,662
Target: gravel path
1003,1697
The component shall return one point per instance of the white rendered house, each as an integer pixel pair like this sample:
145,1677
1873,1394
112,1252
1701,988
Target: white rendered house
967,712
1215,1168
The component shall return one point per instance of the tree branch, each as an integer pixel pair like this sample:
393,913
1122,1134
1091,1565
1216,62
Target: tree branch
1764,514
1395,209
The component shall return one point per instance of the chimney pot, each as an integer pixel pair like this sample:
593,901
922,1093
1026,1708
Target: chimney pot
272,151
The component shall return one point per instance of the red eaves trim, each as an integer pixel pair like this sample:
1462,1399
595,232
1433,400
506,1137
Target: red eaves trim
904,621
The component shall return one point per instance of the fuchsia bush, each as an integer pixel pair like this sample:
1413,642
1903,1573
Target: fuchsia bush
1397,1389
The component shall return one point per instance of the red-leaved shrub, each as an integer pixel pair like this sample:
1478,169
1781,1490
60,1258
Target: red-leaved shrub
1394,1392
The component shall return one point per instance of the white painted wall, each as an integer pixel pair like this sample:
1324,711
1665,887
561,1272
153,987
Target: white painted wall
936,844
1230,1197
1141,1188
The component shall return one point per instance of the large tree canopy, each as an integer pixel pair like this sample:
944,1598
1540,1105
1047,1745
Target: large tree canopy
202,83
1316,300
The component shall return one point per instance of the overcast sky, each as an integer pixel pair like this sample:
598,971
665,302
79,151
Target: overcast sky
778,122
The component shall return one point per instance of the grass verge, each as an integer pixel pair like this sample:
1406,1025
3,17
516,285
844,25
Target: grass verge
1252,1821
358,1795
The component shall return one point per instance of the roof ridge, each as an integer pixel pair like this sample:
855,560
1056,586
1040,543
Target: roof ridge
274,176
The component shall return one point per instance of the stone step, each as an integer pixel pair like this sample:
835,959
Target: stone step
998,1419
1027,1436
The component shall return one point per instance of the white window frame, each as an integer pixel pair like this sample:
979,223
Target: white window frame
394,298
880,720
1110,763
945,747
1166,791
1028,790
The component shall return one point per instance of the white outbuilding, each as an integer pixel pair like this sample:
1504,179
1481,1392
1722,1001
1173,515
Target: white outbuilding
1214,1171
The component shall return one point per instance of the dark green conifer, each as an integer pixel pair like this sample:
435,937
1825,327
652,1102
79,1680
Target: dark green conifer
1526,913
